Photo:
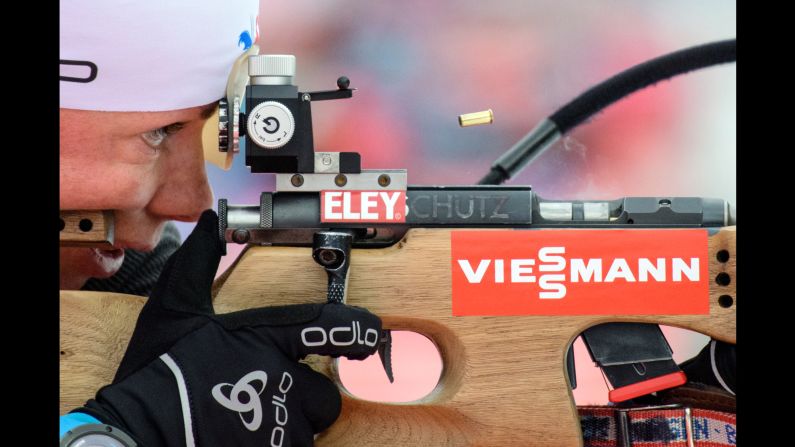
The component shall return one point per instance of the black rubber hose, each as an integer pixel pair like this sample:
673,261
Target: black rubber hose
601,96
641,76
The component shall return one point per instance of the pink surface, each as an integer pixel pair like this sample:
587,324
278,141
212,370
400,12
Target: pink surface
416,365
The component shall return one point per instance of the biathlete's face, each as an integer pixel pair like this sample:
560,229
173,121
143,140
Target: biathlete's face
148,167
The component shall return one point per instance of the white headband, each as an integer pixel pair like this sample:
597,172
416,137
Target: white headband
151,55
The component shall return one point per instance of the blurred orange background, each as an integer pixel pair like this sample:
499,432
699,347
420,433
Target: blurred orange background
417,65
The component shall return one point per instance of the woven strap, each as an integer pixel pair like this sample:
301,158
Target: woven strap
667,426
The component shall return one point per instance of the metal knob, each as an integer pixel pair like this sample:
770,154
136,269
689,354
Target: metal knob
272,69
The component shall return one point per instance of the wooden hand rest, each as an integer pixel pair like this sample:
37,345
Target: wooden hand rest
504,378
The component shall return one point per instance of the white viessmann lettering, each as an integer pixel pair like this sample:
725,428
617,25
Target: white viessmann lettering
551,270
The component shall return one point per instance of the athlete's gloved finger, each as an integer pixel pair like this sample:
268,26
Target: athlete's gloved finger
325,329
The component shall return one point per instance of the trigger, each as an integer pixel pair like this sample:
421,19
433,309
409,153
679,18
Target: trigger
385,353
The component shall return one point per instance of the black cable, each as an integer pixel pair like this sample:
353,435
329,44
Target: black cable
639,77
601,96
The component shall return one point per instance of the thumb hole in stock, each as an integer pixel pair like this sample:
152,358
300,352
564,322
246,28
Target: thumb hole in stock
416,364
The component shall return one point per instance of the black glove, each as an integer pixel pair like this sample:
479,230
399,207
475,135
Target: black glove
190,377
715,365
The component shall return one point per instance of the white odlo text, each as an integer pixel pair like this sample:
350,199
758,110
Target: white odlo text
339,336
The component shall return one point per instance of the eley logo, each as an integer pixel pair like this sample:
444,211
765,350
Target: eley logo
363,206
580,272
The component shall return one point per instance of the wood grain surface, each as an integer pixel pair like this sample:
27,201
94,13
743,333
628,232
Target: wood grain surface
97,229
503,381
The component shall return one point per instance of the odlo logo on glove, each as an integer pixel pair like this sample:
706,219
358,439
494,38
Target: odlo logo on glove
355,331
253,404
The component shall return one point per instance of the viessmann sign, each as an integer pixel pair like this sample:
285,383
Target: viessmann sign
580,272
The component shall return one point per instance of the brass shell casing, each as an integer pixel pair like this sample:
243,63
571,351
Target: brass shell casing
476,118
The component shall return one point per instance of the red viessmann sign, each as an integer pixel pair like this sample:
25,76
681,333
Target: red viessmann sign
580,272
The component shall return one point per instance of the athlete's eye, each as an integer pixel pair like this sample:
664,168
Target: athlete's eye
154,138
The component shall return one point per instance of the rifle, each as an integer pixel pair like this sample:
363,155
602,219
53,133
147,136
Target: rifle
506,377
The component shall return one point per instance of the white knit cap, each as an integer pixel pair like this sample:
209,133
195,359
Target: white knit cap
151,55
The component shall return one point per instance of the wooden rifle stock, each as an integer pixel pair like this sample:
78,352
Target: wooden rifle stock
503,382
